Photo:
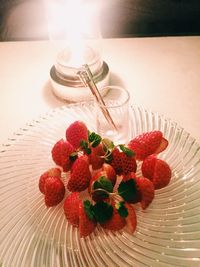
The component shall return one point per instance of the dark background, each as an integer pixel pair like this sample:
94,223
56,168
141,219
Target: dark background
119,18
151,18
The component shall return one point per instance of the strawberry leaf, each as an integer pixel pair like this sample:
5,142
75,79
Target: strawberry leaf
108,147
91,136
102,211
103,183
88,209
108,158
73,156
128,190
127,151
108,144
94,139
122,210
84,144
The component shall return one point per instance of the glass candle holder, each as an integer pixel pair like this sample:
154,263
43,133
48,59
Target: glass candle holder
76,22
117,104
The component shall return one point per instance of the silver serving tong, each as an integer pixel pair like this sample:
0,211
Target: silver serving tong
86,77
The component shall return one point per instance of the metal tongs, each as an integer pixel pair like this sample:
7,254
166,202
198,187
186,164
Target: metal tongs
86,77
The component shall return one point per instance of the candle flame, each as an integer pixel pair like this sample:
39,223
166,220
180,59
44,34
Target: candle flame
73,21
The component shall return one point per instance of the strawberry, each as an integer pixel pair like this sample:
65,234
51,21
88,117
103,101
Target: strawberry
42,180
100,186
148,143
51,172
123,163
54,190
162,174
130,175
116,161
157,170
107,172
76,132
131,219
96,157
86,224
94,178
61,152
71,208
55,172
146,188
128,164
80,174
148,166
116,222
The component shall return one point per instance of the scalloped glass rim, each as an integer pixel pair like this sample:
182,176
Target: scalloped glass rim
168,232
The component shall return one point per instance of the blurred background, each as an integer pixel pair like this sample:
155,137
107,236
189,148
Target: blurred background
27,19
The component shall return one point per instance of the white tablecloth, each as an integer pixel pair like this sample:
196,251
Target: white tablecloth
162,75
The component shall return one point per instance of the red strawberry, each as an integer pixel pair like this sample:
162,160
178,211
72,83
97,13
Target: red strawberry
96,158
42,180
55,172
86,225
116,222
157,170
76,132
94,178
148,143
148,166
100,187
147,191
61,154
109,172
122,163
116,161
51,172
131,219
162,174
128,164
130,175
54,190
71,208
80,175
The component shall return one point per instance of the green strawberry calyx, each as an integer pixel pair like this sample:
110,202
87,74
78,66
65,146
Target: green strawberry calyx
127,151
122,210
128,190
88,209
103,183
100,211
94,139
103,211
99,195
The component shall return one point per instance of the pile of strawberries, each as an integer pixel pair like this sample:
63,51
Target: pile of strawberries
107,172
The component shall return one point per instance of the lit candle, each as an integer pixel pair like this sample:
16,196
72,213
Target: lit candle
76,21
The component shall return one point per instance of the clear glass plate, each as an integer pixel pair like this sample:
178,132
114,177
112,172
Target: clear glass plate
168,232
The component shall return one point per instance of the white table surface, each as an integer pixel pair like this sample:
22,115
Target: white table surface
162,75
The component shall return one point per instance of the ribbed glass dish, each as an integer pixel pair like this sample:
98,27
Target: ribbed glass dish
31,235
